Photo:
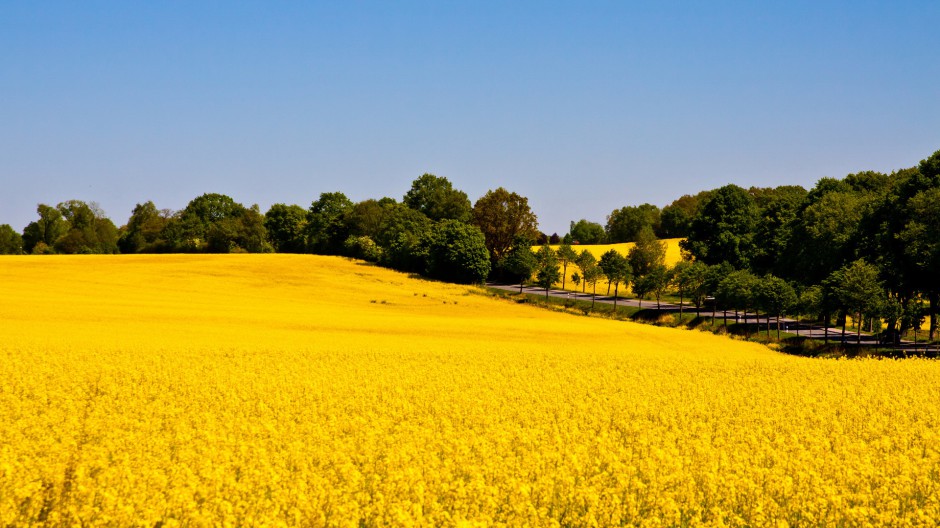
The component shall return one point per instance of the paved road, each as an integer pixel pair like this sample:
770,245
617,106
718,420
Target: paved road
786,324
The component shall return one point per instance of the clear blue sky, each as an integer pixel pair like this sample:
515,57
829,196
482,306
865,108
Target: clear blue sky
583,107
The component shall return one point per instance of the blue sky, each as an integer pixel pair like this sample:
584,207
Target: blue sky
582,107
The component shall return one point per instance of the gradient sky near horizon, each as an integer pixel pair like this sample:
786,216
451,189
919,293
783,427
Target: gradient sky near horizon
583,107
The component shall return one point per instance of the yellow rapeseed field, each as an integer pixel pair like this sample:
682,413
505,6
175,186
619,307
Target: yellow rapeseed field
292,390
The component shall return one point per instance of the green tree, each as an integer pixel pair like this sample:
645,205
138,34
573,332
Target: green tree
89,230
457,253
657,281
713,277
809,302
617,269
736,290
626,223
859,291
776,297
566,255
592,273
50,226
502,216
688,277
285,225
144,230
921,238
11,242
400,235
520,261
779,211
585,260
648,253
437,199
362,247
585,232
326,227
723,230
676,218
546,272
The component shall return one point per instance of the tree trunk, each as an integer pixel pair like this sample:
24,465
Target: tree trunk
616,288
826,329
680,306
932,299
778,327
593,295
858,332
564,273
521,285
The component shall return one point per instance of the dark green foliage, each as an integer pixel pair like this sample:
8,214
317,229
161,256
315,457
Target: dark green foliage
362,247
457,253
689,279
285,225
676,218
616,268
436,198
566,255
520,261
547,273
326,225
45,231
625,224
779,210
648,253
585,232
144,230
502,216
723,230
11,242
737,290
775,296
216,223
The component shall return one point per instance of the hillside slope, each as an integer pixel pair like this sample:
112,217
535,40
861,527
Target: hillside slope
315,391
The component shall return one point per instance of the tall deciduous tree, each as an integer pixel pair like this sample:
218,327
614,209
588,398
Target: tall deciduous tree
585,232
689,281
41,235
520,261
144,230
436,197
859,291
626,223
566,255
11,242
647,253
547,273
326,228
776,297
285,225
617,269
723,230
585,260
457,253
502,216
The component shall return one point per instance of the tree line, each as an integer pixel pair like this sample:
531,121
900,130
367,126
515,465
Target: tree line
434,230
866,246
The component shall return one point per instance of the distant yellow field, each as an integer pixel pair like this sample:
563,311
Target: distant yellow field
297,390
